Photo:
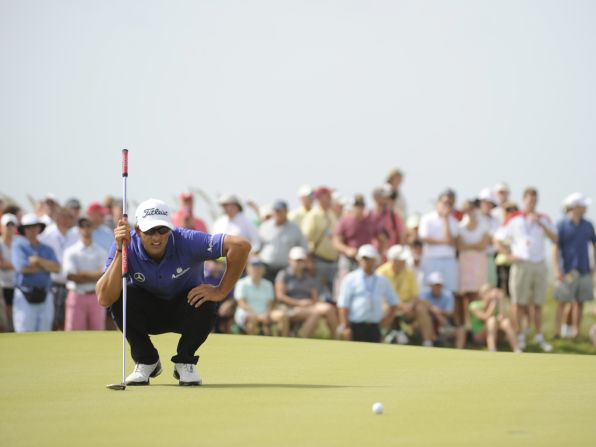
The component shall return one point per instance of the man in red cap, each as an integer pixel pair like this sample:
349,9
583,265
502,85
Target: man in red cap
184,218
102,235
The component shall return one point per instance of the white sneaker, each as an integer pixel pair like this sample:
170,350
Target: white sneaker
539,339
142,372
521,341
187,374
402,338
391,337
427,344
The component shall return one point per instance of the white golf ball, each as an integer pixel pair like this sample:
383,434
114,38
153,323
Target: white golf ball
378,408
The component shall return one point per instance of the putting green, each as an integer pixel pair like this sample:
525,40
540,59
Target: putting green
291,392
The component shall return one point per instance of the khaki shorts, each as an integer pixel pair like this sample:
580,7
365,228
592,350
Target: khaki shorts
528,282
575,287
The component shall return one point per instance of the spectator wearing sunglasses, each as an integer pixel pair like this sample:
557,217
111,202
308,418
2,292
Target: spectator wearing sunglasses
166,291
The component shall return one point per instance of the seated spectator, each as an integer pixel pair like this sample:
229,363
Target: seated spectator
296,289
411,309
488,320
184,217
278,236
255,296
441,303
214,271
361,299
83,264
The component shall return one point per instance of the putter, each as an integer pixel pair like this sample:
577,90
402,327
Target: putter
122,386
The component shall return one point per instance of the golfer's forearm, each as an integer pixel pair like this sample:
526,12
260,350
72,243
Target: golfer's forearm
236,257
109,286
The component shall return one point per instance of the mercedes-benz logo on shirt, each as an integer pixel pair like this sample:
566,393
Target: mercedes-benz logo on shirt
139,277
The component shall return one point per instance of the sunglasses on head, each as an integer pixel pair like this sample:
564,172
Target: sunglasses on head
161,230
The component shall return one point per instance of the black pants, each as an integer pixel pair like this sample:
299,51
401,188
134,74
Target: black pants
369,332
149,315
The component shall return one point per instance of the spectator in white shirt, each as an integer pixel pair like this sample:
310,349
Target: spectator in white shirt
234,222
83,265
528,281
438,231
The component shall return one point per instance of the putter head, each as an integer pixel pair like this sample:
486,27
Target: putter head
116,386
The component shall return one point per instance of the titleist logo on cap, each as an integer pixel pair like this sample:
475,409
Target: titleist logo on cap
153,212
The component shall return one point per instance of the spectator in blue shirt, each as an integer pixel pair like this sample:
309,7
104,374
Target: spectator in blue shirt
166,289
571,260
440,300
33,306
361,299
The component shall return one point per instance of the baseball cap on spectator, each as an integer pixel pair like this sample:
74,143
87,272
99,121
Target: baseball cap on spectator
382,191
487,195
435,278
73,204
305,191
83,219
30,220
265,211
359,200
280,205
397,253
50,198
297,253
95,207
577,199
393,172
413,221
367,251
255,261
230,199
153,213
323,190
501,187
8,218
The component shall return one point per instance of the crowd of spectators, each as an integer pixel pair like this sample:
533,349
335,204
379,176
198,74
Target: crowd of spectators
334,267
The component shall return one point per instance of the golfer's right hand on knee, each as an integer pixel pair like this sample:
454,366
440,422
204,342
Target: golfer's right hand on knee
122,233
203,293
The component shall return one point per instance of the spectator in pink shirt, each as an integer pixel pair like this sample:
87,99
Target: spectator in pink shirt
387,220
184,217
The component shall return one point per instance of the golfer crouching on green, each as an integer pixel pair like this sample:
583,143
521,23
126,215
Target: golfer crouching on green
165,287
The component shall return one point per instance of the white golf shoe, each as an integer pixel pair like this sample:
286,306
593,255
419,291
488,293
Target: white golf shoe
187,374
142,373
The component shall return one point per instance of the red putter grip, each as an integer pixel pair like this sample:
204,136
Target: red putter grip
124,260
124,162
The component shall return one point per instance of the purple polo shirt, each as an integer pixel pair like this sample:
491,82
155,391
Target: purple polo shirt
573,244
179,270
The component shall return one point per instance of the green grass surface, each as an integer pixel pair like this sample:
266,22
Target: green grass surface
290,392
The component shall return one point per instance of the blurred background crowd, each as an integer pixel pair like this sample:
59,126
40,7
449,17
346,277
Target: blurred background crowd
472,272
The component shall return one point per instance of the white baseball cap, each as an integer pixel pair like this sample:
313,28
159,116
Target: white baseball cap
576,199
435,278
413,221
367,251
297,253
487,195
8,218
501,186
153,213
397,253
305,190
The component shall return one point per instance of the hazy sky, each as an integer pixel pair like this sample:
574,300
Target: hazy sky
260,97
